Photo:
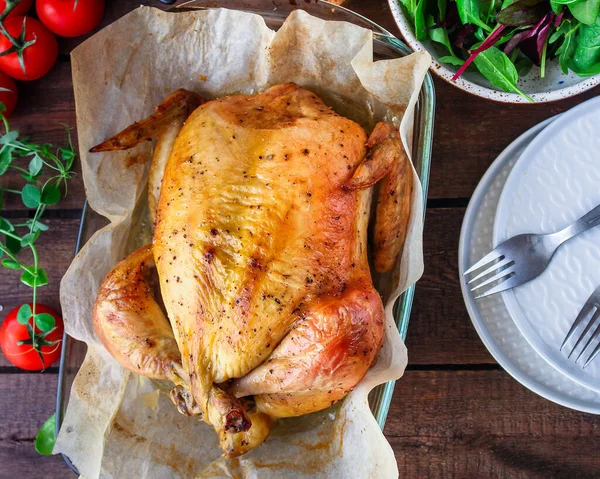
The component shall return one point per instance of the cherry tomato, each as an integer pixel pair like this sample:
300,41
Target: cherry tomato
38,58
24,356
8,93
70,18
21,9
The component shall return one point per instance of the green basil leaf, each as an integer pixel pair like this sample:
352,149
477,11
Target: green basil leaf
45,322
499,70
469,11
587,49
28,279
31,196
35,165
5,159
42,277
50,194
24,314
10,264
9,137
13,245
586,12
27,239
46,437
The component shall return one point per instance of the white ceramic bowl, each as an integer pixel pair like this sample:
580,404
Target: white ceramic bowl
554,86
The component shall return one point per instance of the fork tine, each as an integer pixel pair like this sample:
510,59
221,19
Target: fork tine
592,338
585,331
488,258
506,282
585,311
595,353
507,273
494,267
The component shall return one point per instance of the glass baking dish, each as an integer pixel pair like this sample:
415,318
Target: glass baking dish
386,46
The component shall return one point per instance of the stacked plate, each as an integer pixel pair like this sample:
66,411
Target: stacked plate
545,180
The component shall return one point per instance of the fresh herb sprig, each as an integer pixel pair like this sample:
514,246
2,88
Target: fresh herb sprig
503,39
46,171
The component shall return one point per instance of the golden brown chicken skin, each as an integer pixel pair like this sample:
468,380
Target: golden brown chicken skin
260,245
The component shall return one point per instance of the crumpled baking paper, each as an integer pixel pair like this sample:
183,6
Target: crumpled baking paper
120,425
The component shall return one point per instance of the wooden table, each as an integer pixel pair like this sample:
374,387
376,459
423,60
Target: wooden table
455,413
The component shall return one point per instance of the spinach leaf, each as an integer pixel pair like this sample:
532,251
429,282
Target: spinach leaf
411,7
440,35
564,28
499,70
470,11
452,60
566,2
420,25
567,49
587,51
506,3
523,65
586,12
442,4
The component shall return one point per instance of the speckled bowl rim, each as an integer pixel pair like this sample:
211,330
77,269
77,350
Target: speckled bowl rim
496,95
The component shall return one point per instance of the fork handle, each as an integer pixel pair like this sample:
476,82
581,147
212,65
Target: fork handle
586,222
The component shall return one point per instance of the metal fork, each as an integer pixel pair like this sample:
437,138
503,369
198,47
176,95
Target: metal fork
591,306
524,257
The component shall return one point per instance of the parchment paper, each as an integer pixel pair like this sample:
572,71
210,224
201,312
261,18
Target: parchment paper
120,425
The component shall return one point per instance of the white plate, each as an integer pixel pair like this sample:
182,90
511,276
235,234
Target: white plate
556,181
490,316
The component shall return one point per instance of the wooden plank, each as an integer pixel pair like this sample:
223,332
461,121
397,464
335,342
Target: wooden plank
56,249
485,424
45,107
440,331
26,401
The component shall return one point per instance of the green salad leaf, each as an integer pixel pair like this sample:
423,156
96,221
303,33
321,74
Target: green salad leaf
499,70
586,11
586,55
470,11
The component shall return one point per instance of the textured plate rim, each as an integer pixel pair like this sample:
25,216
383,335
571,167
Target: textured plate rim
483,92
510,299
482,330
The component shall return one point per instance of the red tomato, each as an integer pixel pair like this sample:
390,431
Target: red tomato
70,18
38,58
24,356
8,93
21,9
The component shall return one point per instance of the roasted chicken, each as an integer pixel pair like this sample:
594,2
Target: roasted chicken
255,298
